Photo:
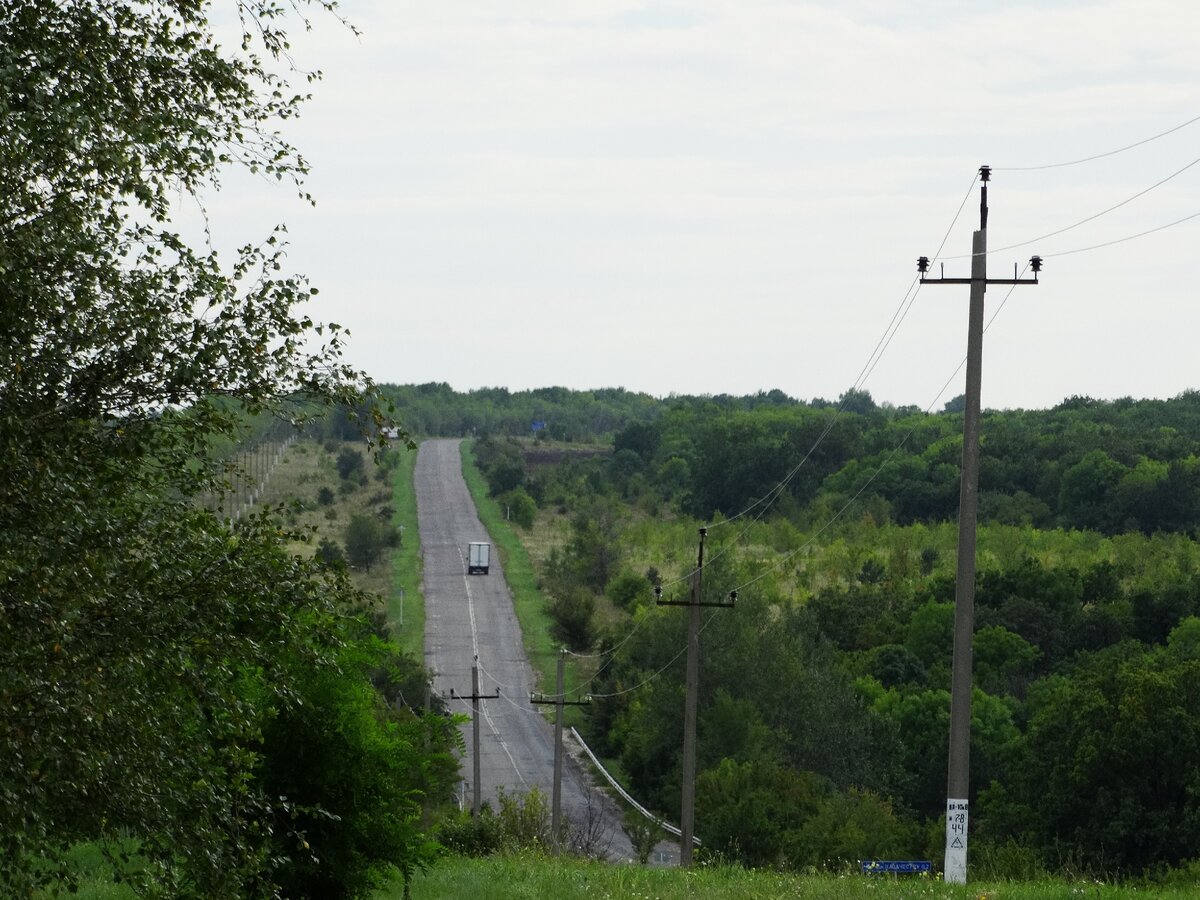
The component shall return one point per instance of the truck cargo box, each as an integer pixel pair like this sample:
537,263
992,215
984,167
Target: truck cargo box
478,558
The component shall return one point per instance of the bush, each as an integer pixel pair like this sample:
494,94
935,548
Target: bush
519,507
523,823
325,496
349,462
628,588
469,835
330,553
643,834
365,539
852,826
354,776
502,464
572,612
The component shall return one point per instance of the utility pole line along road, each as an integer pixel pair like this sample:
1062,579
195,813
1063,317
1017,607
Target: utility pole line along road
469,622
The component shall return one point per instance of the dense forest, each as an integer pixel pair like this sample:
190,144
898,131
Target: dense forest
824,702
1107,466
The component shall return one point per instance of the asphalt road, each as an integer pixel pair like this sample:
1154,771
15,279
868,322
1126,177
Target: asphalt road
471,617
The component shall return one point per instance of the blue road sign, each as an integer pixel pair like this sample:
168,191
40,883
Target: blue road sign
896,866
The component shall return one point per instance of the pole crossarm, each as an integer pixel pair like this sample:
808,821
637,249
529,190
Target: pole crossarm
474,697
555,700
1035,263
724,604
979,280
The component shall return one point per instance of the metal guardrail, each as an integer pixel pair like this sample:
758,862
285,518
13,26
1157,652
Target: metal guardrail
665,826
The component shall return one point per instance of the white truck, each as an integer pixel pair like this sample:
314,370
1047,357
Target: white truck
479,556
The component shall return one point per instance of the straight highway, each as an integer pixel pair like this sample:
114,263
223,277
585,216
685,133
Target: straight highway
469,620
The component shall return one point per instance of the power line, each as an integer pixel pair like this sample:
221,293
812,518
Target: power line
812,540
987,326
645,681
873,359
1090,218
1076,162
1126,238
881,346
610,653
896,449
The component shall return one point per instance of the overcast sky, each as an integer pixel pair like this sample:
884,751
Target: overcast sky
727,197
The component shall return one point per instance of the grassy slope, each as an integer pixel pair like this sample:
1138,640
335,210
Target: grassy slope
501,878
307,467
406,603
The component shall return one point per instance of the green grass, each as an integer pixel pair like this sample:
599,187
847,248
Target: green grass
530,605
505,877
95,872
406,602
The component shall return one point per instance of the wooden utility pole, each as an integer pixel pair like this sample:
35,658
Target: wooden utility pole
687,813
475,697
958,778
559,700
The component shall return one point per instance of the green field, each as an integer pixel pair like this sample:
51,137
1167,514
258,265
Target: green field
531,876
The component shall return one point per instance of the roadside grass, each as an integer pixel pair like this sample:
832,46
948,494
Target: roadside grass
95,887
96,872
541,648
566,878
406,602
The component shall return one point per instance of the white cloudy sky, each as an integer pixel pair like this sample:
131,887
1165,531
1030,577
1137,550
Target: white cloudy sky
726,197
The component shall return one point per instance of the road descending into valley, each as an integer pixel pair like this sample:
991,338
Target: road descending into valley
469,617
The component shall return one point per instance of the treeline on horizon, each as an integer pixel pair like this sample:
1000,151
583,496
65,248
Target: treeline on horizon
1106,465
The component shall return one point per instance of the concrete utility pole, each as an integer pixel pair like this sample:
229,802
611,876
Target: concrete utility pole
958,779
687,814
559,700
475,697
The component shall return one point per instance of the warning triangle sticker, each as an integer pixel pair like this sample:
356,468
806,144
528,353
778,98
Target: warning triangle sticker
956,844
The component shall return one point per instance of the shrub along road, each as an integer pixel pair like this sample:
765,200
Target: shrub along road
471,616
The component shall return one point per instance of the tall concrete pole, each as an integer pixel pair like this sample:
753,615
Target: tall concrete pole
559,700
687,815
475,697
958,776
556,794
476,774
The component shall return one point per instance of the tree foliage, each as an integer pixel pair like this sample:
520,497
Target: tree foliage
366,538
1112,466
147,643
